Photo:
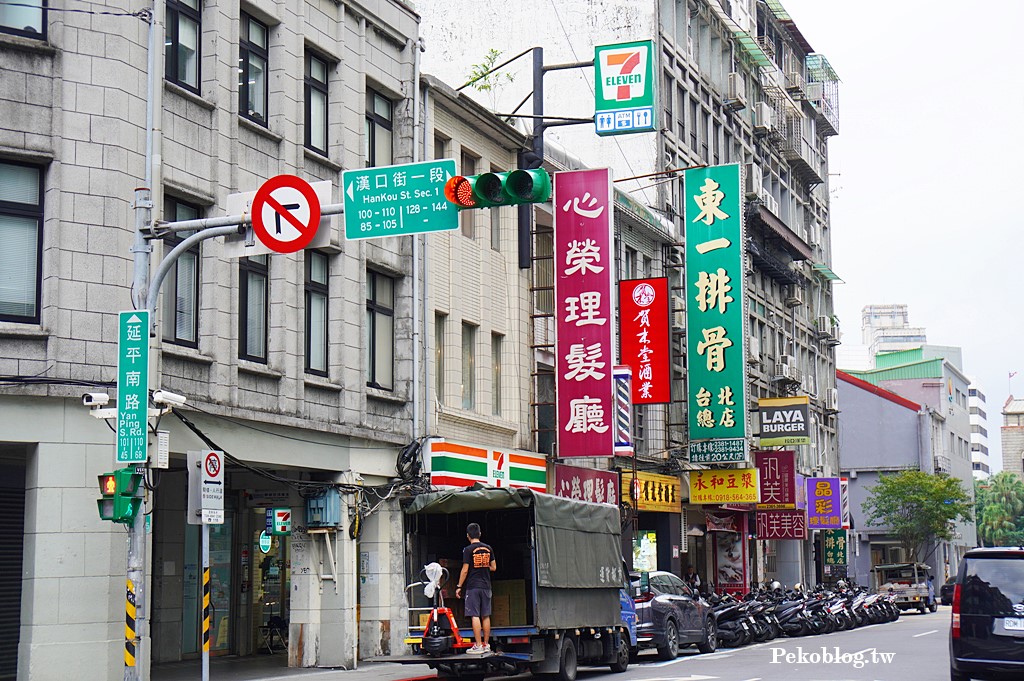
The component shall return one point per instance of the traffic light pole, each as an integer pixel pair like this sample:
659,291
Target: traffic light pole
534,157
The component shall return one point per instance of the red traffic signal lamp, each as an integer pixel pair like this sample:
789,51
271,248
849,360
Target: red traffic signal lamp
120,501
498,189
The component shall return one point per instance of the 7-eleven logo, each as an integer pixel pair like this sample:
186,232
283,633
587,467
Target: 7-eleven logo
500,471
624,73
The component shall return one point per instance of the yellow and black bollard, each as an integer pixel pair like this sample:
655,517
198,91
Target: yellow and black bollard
129,625
206,609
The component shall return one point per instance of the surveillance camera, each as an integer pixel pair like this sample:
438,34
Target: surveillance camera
95,399
168,398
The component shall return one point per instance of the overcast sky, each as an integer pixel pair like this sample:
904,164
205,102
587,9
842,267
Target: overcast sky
926,197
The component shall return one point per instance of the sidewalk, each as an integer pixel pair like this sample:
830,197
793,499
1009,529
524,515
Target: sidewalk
273,667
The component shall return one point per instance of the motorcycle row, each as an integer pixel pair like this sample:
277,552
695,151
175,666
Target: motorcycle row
769,613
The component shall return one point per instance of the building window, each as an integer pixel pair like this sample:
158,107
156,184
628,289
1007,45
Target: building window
27,18
440,321
496,391
316,312
21,239
380,330
468,366
181,287
467,166
316,103
182,47
440,147
379,130
253,294
252,70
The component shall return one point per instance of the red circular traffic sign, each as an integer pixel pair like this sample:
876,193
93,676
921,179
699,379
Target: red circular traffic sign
287,232
213,464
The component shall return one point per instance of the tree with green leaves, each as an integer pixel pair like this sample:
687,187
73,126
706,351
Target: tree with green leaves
483,78
999,508
917,507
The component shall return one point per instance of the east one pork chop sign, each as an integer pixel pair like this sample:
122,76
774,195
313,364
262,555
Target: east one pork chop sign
784,420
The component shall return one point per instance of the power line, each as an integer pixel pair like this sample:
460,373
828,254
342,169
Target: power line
144,14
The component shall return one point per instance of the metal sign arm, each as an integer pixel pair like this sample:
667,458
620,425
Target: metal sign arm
209,228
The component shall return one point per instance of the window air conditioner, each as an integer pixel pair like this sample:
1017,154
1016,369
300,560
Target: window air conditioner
678,312
832,400
771,203
763,118
736,95
754,350
795,296
753,179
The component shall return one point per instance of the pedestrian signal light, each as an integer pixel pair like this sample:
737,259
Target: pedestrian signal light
120,501
498,189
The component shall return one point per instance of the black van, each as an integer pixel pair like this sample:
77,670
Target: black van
986,639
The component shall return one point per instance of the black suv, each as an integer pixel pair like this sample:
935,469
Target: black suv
986,639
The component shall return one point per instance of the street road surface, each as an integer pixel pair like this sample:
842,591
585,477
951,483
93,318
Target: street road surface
914,648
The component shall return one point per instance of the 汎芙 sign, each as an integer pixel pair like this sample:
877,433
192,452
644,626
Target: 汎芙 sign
824,504
584,314
784,420
791,524
644,338
625,89
776,472
715,290
734,486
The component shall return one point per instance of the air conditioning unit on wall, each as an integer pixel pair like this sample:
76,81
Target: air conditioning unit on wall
763,115
678,312
754,350
832,400
752,182
736,92
795,296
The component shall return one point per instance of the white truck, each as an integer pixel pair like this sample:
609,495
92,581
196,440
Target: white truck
909,582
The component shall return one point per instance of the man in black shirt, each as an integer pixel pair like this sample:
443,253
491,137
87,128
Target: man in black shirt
475,580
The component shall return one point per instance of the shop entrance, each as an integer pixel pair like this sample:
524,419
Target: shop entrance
271,576
220,589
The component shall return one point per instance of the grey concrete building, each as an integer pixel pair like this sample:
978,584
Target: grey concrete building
301,367
931,377
737,83
880,432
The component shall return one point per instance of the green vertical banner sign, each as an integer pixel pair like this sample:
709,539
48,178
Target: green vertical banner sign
834,544
715,315
132,385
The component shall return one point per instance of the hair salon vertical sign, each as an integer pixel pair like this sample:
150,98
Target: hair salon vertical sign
715,304
584,268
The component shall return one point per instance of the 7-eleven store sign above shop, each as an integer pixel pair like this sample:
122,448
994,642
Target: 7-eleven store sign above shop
458,465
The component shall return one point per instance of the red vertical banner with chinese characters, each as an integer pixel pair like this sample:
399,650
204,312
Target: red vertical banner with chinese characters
776,472
644,338
584,270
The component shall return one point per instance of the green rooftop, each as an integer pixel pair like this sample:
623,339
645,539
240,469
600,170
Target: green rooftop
927,368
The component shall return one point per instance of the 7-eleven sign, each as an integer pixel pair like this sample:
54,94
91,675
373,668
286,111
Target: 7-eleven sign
625,88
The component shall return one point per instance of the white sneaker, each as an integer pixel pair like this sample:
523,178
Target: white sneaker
487,648
476,650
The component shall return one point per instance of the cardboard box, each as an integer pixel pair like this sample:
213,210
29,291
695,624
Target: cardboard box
424,616
499,610
515,591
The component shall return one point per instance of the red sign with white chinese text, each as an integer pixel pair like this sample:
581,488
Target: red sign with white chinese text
586,484
776,472
644,338
782,524
584,314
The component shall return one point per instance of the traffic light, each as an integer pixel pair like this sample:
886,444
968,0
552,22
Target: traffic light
498,189
121,501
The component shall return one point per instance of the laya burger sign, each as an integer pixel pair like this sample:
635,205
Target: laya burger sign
784,420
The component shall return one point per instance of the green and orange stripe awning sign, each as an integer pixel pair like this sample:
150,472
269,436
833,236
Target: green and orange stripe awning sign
458,465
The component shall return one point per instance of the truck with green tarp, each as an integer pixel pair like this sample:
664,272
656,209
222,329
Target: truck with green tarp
559,596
